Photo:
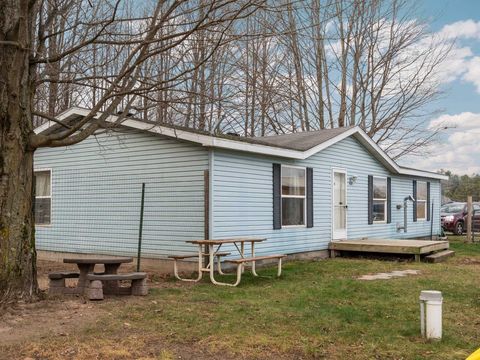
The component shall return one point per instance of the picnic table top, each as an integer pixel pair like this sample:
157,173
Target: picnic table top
104,260
226,241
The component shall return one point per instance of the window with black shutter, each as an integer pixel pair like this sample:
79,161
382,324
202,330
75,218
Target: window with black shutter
379,199
292,196
422,200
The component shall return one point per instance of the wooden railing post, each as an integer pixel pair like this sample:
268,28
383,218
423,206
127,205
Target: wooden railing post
469,218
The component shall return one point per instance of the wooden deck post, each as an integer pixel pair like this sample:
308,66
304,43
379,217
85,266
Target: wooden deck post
469,218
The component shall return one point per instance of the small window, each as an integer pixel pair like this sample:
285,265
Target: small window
379,199
293,196
421,200
43,197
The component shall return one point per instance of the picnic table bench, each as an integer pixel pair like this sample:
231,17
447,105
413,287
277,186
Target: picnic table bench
175,258
57,281
240,262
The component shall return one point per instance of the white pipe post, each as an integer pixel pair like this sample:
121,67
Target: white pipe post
431,314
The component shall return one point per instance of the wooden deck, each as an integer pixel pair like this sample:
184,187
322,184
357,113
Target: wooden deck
389,246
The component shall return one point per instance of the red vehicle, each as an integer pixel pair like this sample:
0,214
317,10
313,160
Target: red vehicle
453,217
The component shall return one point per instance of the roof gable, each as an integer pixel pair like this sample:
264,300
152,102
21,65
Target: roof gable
293,146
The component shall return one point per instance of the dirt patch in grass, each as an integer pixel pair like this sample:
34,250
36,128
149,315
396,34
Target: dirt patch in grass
57,329
61,317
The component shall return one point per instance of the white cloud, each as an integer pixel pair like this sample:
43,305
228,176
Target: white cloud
464,29
472,73
461,62
463,121
458,148
455,64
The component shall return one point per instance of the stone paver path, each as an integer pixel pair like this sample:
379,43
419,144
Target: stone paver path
390,275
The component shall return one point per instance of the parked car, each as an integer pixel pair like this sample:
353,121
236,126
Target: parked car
453,216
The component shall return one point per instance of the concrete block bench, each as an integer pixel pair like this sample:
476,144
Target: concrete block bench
57,281
95,283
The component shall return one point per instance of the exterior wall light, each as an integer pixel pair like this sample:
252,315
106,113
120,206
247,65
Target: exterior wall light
352,180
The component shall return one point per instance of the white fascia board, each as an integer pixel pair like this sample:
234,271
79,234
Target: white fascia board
212,141
421,173
257,148
73,111
389,163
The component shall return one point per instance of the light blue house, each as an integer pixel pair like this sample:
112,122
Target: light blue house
301,191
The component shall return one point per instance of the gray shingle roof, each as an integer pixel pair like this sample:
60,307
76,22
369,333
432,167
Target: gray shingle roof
300,141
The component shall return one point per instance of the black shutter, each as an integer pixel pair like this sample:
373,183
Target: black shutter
277,196
415,200
309,197
428,201
370,199
389,200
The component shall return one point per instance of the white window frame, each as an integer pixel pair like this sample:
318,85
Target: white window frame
384,221
422,201
304,197
45,197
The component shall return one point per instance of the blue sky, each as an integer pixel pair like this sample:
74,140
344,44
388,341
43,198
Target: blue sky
461,96
458,148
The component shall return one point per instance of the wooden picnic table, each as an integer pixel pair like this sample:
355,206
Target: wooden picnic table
211,251
86,265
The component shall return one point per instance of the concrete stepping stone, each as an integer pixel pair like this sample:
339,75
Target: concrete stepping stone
390,275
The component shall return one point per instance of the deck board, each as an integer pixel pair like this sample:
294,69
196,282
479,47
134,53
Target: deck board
391,246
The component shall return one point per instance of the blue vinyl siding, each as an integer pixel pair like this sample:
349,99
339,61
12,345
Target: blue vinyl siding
96,188
96,192
242,199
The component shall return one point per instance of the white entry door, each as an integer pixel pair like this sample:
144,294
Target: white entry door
339,199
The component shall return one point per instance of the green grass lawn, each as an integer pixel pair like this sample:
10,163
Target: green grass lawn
315,310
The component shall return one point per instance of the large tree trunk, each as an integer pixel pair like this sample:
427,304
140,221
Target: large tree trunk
17,244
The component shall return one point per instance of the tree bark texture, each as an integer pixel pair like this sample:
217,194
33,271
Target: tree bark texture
17,238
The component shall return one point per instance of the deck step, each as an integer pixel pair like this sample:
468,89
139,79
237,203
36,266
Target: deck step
439,256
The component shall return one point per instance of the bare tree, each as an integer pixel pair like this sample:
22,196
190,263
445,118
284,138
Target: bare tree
99,56
354,62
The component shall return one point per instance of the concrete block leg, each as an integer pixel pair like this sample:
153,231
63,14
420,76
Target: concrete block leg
139,287
56,286
95,290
